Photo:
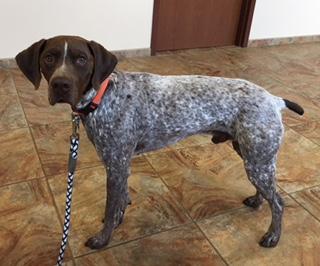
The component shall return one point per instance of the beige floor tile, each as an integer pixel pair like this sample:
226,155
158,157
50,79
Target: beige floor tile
11,113
309,199
310,130
30,231
18,158
6,83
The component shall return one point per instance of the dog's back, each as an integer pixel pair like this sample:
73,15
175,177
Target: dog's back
180,106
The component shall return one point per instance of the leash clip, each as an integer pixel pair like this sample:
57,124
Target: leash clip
75,124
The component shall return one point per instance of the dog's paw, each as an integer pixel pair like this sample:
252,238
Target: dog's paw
97,241
269,240
253,202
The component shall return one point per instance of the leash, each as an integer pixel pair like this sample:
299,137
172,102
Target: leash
73,155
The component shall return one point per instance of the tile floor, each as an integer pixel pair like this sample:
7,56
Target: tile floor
187,198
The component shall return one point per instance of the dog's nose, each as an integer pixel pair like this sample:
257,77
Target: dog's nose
61,84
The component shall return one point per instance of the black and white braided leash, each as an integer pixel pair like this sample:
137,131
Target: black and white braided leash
73,155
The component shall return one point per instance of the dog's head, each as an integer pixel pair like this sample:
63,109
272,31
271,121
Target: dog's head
71,65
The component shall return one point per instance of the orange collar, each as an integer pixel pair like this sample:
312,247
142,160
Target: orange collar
103,88
93,105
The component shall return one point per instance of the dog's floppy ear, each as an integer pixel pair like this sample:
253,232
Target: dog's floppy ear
104,63
28,62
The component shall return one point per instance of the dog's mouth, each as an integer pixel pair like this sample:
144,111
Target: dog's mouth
66,97
53,100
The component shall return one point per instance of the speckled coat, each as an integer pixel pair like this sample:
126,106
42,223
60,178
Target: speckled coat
142,112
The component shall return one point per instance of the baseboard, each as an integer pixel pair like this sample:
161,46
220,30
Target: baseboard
8,63
120,54
285,40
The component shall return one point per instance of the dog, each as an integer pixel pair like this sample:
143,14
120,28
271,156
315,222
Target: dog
141,112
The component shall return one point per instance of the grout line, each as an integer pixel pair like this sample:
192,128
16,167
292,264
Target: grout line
77,170
301,134
22,181
28,126
303,189
41,164
221,213
315,217
48,124
29,129
46,176
170,191
211,244
134,239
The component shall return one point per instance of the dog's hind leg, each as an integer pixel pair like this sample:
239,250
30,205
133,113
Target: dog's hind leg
262,176
218,137
259,143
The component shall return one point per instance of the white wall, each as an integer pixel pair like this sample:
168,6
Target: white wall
285,18
117,24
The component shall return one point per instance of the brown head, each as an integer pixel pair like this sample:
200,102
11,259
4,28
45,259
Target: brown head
71,65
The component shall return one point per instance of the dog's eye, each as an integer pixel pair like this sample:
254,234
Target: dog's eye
81,61
49,59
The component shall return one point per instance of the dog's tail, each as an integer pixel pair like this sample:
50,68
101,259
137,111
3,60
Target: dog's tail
293,107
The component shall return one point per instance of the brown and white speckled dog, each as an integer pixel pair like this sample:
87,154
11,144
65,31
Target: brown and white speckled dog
142,112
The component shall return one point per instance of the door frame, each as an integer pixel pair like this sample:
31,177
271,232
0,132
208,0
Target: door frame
245,22
244,27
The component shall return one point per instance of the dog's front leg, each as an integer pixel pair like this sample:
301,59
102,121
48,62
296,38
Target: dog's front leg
117,199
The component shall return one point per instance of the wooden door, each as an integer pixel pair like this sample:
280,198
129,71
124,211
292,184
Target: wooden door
182,24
